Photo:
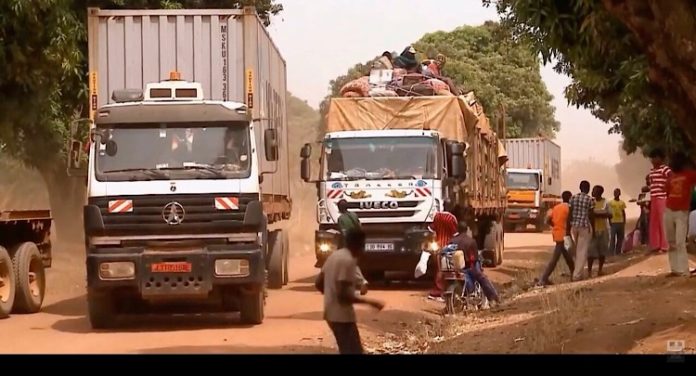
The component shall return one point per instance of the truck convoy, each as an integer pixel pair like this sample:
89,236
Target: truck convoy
398,161
533,181
25,252
187,172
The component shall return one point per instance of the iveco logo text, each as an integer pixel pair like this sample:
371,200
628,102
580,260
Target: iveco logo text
173,213
379,205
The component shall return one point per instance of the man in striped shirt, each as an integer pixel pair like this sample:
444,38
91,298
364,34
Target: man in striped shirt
445,226
657,181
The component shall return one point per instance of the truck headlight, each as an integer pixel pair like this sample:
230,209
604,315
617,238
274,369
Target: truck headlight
121,270
231,268
324,247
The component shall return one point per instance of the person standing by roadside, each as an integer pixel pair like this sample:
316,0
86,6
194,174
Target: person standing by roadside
445,226
580,227
643,221
599,246
337,282
559,223
657,180
617,208
679,186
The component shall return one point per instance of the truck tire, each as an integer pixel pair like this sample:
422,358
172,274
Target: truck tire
101,308
7,284
276,260
30,276
251,307
286,260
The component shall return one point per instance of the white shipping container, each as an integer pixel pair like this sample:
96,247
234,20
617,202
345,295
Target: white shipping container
228,51
537,153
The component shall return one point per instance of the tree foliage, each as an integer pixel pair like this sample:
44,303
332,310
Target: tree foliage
485,60
611,73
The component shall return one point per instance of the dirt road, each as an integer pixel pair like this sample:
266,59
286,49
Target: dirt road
293,315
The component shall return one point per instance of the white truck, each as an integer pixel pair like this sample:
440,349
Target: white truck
533,181
188,172
397,162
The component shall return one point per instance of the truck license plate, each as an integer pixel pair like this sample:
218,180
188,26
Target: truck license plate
171,267
379,247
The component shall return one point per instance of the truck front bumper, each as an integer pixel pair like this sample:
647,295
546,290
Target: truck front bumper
193,272
382,253
521,215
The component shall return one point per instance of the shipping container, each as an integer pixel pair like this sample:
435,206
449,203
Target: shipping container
228,51
537,153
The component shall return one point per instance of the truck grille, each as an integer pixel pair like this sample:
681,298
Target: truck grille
147,215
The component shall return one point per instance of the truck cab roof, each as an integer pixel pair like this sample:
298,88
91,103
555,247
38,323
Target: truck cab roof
383,133
524,170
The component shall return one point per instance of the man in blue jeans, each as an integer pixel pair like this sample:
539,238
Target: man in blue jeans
472,266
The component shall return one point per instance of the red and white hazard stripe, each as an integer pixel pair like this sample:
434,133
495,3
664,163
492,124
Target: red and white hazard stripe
226,203
423,192
121,206
334,194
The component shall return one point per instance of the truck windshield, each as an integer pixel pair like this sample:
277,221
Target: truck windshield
381,158
522,180
166,151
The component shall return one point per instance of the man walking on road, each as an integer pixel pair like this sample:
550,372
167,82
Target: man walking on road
337,281
581,206
349,221
559,224
657,180
617,208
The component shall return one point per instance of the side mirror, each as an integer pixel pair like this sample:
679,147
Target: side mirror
75,156
270,139
456,148
458,166
306,151
111,148
306,170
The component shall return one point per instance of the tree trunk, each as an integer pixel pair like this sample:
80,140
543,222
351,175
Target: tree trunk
666,31
67,197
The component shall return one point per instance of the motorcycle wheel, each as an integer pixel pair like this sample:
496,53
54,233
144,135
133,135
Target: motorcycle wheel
453,298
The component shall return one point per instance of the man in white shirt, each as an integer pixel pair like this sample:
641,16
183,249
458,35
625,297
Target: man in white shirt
337,281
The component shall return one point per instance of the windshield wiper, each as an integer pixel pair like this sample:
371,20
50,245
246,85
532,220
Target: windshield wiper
148,171
217,171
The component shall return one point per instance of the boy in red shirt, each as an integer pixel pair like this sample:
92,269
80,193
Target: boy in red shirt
679,186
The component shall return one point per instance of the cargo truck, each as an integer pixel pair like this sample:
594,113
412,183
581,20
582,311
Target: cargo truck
398,161
533,181
188,189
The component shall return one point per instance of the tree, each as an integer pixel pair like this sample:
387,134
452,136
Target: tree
484,59
617,71
43,85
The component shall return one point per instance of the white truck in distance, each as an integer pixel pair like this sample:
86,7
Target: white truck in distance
187,179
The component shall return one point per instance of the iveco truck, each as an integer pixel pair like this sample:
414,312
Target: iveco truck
398,161
187,172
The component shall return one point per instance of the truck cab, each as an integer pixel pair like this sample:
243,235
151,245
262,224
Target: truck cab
524,195
395,181
174,211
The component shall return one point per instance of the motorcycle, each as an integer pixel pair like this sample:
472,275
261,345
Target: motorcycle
461,292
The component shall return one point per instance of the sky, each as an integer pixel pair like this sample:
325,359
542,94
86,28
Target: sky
321,40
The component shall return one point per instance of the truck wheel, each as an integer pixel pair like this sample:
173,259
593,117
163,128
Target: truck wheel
31,278
276,260
286,259
251,310
101,308
7,284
